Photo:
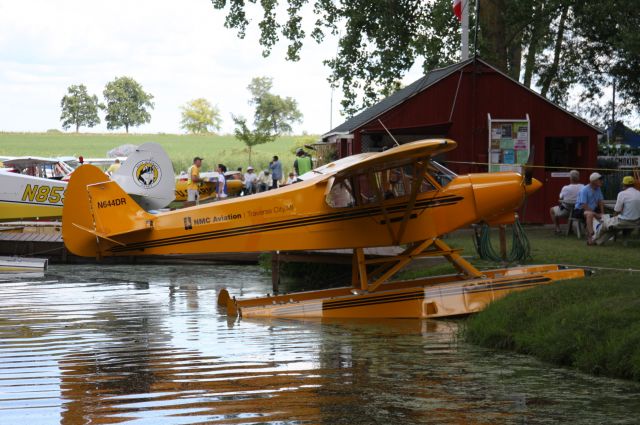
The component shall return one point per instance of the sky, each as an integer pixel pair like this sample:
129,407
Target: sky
177,51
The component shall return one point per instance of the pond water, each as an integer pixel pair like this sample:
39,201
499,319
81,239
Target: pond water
148,345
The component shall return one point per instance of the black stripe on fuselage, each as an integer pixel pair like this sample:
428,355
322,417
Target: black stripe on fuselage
286,224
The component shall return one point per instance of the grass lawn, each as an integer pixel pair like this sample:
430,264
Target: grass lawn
591,324
180,148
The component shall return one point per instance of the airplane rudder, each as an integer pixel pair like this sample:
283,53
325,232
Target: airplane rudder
76,210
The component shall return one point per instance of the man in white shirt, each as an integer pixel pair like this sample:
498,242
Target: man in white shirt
264,180
568,197
628,202
250,179
627,211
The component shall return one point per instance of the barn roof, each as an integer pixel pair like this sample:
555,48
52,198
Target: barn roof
432,77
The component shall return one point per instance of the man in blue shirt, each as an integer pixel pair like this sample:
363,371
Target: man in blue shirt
276,171
589,204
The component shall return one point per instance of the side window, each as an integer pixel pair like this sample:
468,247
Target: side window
341,195
366,192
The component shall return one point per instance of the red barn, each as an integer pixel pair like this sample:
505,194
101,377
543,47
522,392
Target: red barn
496,121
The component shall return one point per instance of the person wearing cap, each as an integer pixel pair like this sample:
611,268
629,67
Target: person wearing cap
589,204
626,210
250,179
194,182
303,163
568,197
627,205
264,180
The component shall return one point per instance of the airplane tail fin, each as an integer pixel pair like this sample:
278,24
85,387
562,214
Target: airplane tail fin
147,176
98,214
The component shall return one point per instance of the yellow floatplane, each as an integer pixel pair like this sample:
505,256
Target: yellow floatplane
397,197
34,187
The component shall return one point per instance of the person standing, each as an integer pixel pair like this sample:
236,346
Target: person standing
589,202
303,163
276,171
113,167
222,181
568,197
193,183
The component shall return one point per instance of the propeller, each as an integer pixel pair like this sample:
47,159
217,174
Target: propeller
527,168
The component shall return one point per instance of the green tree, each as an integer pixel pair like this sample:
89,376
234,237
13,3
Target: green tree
127,103
261,134
553,45
273,115
79,108
272,110
199,116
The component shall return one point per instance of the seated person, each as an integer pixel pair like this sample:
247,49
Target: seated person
264,181
589,204
250,181
292,178
568,197
627,210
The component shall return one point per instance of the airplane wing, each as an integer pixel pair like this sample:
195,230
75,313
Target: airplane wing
399,155
394,157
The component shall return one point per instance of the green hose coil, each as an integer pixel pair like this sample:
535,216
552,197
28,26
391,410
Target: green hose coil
520,247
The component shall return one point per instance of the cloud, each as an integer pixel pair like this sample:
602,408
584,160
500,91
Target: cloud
177,51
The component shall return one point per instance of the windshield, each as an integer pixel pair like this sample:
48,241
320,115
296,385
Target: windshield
441,174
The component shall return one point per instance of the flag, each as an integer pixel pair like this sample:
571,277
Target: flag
457,9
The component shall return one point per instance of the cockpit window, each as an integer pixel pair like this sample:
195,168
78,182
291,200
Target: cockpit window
390,183
341,195
441,174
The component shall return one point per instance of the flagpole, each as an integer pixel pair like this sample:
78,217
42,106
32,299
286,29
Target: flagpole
465,30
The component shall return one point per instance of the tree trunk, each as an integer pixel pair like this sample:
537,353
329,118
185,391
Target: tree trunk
77,128
530,62
126,127
553,69
539,23
493,36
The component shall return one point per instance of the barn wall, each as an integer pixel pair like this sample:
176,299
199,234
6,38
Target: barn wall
503,99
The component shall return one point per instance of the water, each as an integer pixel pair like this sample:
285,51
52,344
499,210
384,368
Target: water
148,345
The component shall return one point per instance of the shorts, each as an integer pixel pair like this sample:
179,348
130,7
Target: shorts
560,211
579,214
192,195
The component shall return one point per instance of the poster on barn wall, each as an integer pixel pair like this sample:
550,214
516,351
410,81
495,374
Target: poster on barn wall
509,143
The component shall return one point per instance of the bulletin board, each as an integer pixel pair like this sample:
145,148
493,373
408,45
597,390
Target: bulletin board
509,143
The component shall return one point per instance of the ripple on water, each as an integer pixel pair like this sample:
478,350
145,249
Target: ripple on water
148,344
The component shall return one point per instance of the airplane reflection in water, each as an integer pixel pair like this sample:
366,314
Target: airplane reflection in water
147,345
397,197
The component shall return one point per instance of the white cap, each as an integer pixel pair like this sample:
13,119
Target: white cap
594,176
249,168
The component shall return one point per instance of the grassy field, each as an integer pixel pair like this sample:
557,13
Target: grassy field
180,148
591,324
